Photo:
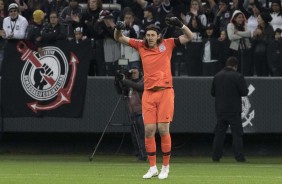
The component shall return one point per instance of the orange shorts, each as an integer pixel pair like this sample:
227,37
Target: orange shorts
158,106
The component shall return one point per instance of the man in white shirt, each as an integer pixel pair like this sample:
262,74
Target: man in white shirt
14,25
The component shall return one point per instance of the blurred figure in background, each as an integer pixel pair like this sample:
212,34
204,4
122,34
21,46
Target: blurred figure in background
240,45
223,15
33,33
276,14
148,19
3,14
70,17
224,43
14,25
274,54
53,31
89,19
108,51
132,31
228,87
262,36
55,6
210,52
135,86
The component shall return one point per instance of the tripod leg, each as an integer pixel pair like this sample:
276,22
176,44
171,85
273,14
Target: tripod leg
110,119
137,137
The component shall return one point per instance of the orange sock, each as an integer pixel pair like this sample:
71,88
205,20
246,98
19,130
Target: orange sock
150,144
166,148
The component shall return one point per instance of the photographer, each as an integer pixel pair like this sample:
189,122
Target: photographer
135,85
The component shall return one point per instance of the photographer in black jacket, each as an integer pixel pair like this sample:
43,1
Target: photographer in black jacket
135,86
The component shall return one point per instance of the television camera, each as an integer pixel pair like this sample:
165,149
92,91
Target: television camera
122,73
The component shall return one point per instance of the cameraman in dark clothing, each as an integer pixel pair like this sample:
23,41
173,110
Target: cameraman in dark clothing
228,87
135,86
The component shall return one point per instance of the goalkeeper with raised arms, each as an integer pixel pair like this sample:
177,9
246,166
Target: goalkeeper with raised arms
158,95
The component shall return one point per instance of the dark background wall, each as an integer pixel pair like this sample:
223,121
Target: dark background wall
194,109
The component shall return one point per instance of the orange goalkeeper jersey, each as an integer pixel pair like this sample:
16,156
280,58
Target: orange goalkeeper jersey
156,62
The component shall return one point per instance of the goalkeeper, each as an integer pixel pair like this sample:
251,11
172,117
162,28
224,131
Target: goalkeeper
158,95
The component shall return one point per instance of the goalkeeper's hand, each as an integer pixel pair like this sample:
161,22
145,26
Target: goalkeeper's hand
173,21
120,25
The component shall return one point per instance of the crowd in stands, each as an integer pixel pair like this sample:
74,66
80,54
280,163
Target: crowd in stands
247,29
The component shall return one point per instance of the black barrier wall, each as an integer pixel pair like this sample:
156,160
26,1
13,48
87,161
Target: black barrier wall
194,109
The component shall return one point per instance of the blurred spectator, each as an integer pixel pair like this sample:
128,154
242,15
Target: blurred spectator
252,22
240,45
210,52
14,25
180,6
35,5
33,33
70,17
262,36
193,56
149,18
107,49
23,8
2,41
161,8
78,35
276,14
53,31
132,31
90,17
223,15
224,43
196,10
177,59
274,54
135,7
55,6
88,20
210,10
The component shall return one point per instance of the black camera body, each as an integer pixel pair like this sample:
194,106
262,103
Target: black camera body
120,87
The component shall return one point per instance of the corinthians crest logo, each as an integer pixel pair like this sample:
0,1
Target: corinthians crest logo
44,77
246,115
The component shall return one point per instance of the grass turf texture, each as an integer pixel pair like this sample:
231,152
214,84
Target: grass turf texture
76,169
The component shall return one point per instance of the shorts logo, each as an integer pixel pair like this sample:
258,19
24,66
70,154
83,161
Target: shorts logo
162,48
44,77
246,115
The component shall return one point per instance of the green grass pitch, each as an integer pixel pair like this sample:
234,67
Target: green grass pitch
114,169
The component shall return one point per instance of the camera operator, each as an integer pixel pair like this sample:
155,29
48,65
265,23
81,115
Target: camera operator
135,85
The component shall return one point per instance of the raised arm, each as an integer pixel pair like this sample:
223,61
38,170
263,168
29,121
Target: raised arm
118,34
187,33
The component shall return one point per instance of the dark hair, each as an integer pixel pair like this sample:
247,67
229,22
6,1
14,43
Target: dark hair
278,30
232,61
54,12
99,5
239,27
152,27
278,2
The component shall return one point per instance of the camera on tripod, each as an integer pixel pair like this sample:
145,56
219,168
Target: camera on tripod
122,73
